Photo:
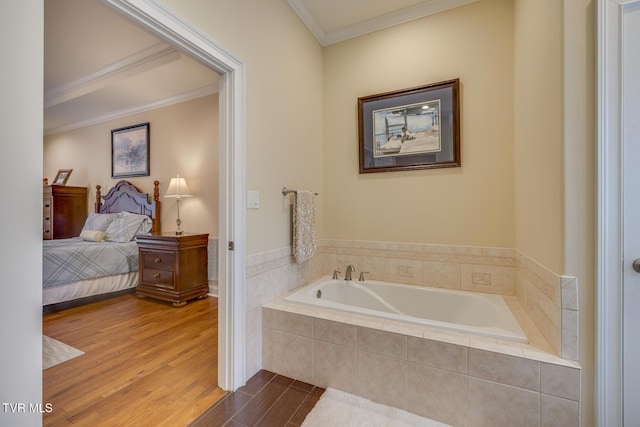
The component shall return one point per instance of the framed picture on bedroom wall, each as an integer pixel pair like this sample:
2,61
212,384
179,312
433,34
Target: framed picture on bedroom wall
130,151
410,129
62,177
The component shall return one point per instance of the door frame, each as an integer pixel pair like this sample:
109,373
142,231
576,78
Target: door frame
609,390
168,26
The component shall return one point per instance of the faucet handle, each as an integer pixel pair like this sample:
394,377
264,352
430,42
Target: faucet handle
335,274
362,273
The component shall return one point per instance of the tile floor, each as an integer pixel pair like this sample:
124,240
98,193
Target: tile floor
267,399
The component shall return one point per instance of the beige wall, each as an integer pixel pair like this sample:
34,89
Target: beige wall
554,152
470,205
539,131
527,175
284,105
580,178
183,139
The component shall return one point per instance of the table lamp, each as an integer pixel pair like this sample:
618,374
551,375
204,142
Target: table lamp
178,189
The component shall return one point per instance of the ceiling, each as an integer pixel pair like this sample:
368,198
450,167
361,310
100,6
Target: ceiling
98,66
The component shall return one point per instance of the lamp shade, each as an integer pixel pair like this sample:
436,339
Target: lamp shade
178,188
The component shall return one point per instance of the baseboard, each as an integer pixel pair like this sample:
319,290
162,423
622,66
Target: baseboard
64,305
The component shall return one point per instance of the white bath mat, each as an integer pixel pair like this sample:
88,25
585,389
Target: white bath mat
337,408
55,352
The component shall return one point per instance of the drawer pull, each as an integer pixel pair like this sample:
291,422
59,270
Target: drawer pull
156,276
157,260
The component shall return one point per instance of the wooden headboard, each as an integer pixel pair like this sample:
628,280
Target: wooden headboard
125,197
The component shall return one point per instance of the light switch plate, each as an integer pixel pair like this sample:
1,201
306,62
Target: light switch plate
253,199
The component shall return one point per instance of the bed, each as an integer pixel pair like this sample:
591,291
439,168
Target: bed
103,261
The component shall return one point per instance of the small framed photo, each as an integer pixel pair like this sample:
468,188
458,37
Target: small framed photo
130,151
410,129
62,177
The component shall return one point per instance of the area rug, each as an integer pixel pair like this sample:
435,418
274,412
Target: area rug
55,352
337,408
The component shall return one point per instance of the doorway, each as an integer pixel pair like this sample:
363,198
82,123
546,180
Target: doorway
171,28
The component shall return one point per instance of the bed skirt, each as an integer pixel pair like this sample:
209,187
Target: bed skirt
90,287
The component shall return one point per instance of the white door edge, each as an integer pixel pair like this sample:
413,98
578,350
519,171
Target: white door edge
608,393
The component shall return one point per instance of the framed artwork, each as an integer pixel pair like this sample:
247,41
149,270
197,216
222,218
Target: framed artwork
130,151
410,129
62,177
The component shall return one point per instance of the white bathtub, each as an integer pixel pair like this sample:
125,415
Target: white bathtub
468,312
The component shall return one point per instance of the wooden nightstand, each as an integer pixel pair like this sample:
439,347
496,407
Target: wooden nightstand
173,268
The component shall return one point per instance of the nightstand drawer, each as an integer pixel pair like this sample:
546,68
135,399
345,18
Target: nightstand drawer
173,267
158,277
161,260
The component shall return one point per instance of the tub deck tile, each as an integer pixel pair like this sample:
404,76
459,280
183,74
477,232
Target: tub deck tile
506,347
365,321
403,328
451,337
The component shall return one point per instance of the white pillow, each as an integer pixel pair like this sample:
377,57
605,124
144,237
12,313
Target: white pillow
126,225
98,221
93,235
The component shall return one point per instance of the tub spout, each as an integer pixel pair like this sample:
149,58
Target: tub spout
350,269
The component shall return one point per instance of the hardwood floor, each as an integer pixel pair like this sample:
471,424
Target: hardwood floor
145,363
267,400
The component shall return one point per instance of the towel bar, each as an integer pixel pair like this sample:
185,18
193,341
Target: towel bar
286,191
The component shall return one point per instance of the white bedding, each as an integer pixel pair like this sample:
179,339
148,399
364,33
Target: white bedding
102,260
91,287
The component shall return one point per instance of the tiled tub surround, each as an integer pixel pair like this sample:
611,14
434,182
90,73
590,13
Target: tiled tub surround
459,379
270,274
552,302
549,299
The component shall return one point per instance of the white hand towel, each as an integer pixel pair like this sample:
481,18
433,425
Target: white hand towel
304,233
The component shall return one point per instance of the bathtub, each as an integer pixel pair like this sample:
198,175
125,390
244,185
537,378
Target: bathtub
467,312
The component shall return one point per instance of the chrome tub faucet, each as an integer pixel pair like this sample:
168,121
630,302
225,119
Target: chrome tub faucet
350,269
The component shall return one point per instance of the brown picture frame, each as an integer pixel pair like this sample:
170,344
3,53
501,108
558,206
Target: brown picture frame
62,177
410,129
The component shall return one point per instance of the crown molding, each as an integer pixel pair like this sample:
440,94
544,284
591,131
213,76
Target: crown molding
307,18
427,8
133,64
183,97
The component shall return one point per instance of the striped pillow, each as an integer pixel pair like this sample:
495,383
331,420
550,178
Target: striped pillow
126,225
99,222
